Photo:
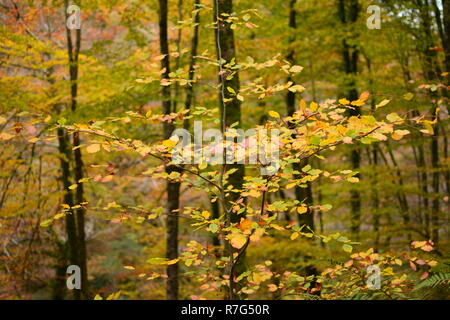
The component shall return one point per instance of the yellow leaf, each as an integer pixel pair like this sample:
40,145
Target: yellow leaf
274,114
393,117
358,103
272,287
379,136
302,209
409,96
169,143
237,240
73,187
257,234
402,132
353,179
5,136
277,227
302,105
2,120
93,148
160,57
170,262
347,140
230,89
364,96
59,216
291,185
98,297
206,214
382,103
297,88
398,261
344,101
296,69
294,235
432,263
128,267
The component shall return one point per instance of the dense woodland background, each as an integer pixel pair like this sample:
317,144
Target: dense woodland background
86,117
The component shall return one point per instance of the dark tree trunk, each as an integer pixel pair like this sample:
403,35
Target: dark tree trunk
173,189
348,11
215,208
301,194
374,197
194,48
73,53
59,284
178,58
71,227
432,73
446,40
230,108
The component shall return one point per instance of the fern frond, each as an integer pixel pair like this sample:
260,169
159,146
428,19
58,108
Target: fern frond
438,279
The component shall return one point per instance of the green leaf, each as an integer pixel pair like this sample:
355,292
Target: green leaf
409,96
347,248
213,227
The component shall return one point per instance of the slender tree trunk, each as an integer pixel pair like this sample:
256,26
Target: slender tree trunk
71,227
439,23
348,11
301,194
374,191
178,58
66,250
432,73
230,108
446,40
173,189
215,208
73,51
194,48
58,288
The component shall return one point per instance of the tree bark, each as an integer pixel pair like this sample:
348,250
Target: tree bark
71,227
73,51
194,48
173,188
446,23
348,11
432,73
301,194
230,108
